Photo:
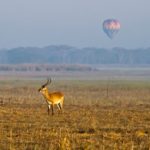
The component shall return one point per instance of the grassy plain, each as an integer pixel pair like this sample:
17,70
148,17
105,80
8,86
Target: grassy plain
98,114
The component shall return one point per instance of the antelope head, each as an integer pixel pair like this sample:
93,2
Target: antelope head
43,88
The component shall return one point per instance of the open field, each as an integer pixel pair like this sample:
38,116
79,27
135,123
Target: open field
98,114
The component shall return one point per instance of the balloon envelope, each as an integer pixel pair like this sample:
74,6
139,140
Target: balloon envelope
111,27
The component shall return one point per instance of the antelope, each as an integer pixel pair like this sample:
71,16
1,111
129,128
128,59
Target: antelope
52,98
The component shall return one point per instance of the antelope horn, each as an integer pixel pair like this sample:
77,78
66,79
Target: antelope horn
48,82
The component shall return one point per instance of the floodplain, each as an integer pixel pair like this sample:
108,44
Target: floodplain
101,113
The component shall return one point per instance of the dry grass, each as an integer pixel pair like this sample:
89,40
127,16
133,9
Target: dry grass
97,115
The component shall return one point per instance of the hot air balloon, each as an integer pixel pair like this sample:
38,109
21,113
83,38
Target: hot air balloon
111,27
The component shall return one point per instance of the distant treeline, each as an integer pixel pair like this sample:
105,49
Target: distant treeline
71,55
44,67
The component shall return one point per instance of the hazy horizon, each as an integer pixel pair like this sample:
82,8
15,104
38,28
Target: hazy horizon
74,23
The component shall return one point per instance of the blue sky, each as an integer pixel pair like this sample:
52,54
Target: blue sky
73,22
